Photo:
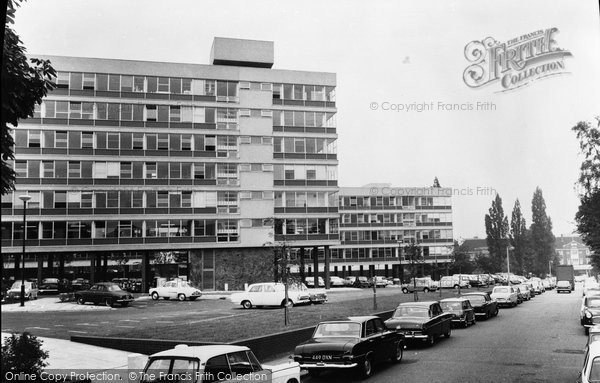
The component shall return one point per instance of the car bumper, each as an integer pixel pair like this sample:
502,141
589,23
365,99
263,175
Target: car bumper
413,334
328,365
458,320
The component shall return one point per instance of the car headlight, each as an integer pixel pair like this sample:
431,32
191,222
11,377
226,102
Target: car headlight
588,314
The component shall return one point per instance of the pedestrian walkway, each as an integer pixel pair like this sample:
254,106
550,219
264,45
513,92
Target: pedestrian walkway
67,355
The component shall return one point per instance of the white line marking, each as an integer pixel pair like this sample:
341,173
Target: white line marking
128,320
87,324
125,326
79,332
59,325
39,328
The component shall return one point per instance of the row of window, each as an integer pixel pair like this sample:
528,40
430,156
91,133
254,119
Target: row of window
178,85
388,252
395,235
226,229
432,218
51,139
136,112
304,145
305,172
360,201
298,226
306,199
145,84
224,201
127,170
303,92
305,119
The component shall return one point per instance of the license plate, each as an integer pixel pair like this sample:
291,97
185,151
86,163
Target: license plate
322,357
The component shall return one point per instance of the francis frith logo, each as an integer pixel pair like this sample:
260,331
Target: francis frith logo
515,63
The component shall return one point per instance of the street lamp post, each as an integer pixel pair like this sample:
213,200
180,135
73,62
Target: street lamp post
508,248
24,198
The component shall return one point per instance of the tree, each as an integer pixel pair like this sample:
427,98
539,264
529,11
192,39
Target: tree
496,229
23,354
588,214
518,236
542,239
436,183
24,83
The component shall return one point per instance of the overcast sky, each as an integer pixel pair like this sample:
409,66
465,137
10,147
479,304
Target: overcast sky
384,51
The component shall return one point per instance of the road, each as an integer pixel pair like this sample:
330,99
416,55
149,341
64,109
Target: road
538,341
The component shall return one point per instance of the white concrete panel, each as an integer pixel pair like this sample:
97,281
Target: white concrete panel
256,208
256,180
256,153
256,99
256,236
256,126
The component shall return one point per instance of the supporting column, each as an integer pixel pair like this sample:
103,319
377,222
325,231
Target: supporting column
40,268
327,284
105,267
17,268
61,266
92,267
145,271
51,265
302,274
316,265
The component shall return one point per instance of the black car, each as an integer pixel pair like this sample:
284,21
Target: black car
355,343
361,282
590,312
421,321
483,304
107,293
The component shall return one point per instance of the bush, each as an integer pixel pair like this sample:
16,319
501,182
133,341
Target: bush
23,354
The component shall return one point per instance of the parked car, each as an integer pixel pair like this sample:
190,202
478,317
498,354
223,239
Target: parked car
593,335
524,291
176,288
476,281
378,282
505,295
519,294
215,363
349,281
425,285
361,282
49,286
310,281
590,311
107,293
461,310
358,342
31,290
269,294
335,281
482,304
566,286
591,365
454,282
421,321
316,296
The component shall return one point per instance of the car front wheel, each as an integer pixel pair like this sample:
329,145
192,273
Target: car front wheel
366,368
246,304
155,296
425,290
405,290
108,302
449,332
80,300
430,340
181,297
398,353
289,303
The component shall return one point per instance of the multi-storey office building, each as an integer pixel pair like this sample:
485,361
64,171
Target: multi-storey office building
378,222
198,166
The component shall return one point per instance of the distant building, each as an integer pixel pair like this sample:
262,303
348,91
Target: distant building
572,251
475,246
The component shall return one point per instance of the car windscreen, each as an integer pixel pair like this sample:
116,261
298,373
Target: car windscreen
502,290
17,285
411,311
592,302
113,288
451,305
342,330
476,300
171,369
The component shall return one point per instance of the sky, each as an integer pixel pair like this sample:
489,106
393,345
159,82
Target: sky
385,54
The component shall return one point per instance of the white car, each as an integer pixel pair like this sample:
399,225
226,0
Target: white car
310,281
215,363
505,295
271,294
454,282
179,289
336,281
591,364
31,290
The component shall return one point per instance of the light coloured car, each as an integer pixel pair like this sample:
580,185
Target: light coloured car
336,281
591,365
175,289
505,295
378,281
349,281
271,294
593,335
310,281
31,290
454,282
524,291
425,285
214,363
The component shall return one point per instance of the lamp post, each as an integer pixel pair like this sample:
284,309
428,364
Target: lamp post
24,198
508,248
